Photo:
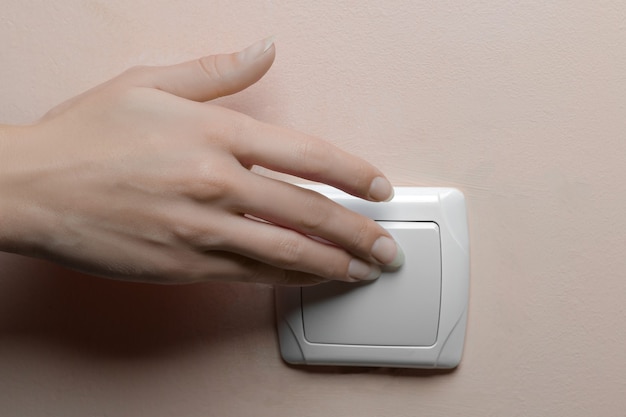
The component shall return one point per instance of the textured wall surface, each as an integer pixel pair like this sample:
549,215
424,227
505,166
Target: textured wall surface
522,105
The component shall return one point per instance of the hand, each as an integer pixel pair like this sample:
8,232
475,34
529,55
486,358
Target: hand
140,179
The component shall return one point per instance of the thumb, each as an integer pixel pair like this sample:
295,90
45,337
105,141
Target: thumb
211,76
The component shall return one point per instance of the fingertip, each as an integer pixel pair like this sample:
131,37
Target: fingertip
381,189
257,50
388,252
210,76
398,260
359,270
269,43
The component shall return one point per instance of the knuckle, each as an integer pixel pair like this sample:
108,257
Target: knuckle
230,130
361,235
332,270
239,126
312,155
314,213
208,181
288,253
210,66
363,177
216,68
200,237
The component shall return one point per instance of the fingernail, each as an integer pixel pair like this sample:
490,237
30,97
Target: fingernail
381,189
268,42
357,269
388,252
256,50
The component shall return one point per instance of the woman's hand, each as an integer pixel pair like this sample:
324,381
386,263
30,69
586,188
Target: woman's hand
140,179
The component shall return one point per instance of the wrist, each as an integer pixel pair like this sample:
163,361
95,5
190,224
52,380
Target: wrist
12,210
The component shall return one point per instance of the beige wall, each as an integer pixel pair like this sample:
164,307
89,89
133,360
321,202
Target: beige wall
520,104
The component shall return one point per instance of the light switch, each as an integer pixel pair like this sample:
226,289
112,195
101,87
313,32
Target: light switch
342,313
413,317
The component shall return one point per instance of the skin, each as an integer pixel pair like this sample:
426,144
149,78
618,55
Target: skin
143,179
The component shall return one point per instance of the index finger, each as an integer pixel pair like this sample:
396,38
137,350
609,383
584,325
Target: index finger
291,152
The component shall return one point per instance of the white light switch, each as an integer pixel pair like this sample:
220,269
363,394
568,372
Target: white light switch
413,317
344,313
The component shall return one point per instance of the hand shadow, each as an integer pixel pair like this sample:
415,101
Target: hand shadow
54,306
48,305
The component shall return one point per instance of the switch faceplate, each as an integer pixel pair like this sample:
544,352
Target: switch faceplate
345,313
413,317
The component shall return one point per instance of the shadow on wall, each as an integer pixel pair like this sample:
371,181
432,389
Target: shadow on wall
407,372
56,307
48,306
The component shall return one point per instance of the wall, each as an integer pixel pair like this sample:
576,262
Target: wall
520,104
